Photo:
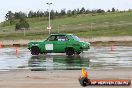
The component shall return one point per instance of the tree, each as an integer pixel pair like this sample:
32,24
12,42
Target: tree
40,14
94,11
10,17
87,11
74,12
56,13
69,13
30,14
19,15
22,24
78,11
82,11
113,9
108,10
100,11
46,13
63,12
52,14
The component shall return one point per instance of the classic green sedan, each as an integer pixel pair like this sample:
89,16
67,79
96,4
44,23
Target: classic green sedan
59,43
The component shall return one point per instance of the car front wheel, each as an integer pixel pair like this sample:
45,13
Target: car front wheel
35,51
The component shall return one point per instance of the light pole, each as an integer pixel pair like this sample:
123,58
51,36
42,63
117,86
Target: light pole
49,28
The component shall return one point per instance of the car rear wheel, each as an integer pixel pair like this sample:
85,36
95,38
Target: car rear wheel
35,51
69,51
78,53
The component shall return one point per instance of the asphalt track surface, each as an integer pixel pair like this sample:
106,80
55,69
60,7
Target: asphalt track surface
96,58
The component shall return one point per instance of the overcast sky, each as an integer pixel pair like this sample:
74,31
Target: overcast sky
26,5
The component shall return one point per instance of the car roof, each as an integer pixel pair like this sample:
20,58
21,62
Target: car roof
61,34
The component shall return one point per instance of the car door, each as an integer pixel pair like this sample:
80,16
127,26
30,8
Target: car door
60,43
49,44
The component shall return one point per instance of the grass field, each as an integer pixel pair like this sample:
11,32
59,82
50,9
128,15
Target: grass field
86,25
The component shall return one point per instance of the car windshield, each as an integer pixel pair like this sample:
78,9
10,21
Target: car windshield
75,38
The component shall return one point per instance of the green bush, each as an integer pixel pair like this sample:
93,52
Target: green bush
23,24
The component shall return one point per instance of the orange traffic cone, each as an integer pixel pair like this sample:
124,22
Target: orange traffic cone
112,48
17,51
84,74
1,45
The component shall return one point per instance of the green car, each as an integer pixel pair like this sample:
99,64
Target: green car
59,43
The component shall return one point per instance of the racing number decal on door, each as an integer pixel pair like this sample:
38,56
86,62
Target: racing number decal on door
49,47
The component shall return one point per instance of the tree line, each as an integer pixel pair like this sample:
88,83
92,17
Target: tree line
10,16
21,16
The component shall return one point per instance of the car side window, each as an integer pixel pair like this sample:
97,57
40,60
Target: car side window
52,38
62,38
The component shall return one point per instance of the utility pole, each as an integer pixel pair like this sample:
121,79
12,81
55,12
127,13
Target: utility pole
49,27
